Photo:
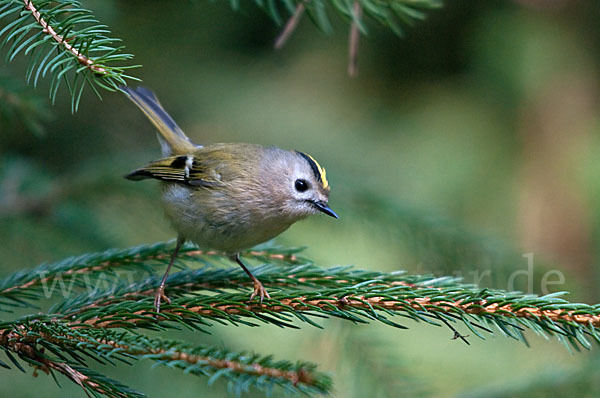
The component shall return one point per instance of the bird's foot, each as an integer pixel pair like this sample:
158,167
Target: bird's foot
160,295
259,290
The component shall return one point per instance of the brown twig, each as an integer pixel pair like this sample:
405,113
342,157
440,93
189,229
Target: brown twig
23,344
93,268
41,281
49,30
353,41
18,342
139,259
224,283
295,377
275,256
77,377
303,303
290,26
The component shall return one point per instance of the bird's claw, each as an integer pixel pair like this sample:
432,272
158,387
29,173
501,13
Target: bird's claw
160,295
259,290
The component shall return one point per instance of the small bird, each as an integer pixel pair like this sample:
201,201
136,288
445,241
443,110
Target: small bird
228,197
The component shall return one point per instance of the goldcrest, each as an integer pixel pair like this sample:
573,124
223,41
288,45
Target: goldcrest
228,197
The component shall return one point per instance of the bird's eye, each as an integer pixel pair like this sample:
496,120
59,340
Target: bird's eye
301,185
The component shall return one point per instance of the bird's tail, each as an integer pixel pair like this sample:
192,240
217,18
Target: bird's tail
173,140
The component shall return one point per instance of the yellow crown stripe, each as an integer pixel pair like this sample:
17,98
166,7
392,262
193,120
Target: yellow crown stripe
322,172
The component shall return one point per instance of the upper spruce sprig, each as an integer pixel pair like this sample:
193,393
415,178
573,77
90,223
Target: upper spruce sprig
65,43
389,13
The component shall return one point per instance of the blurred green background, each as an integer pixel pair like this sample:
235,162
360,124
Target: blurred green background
460,147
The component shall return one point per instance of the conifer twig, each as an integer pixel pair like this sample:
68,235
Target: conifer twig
107,324
353,40
105,263
290,25
369,302
49,30
65,41
21,343
29,341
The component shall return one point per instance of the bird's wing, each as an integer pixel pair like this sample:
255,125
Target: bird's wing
183,169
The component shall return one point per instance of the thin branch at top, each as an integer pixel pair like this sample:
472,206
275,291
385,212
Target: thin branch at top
353,40
290,26
49,30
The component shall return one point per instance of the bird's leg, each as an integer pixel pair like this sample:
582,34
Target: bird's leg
259,289
160,293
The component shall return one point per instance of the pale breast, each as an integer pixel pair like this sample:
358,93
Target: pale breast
215,221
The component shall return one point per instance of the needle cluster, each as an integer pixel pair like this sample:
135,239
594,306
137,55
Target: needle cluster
107,324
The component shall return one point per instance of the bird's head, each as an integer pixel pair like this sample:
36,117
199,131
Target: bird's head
298,184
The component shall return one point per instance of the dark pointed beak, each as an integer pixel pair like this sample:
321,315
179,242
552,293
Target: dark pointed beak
322,206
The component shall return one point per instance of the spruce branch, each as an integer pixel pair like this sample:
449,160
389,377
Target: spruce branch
24,287
62,41
389,13
511,313
107,324
25,345
242,370
290,25
65,41
214,279
353,41
305,289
